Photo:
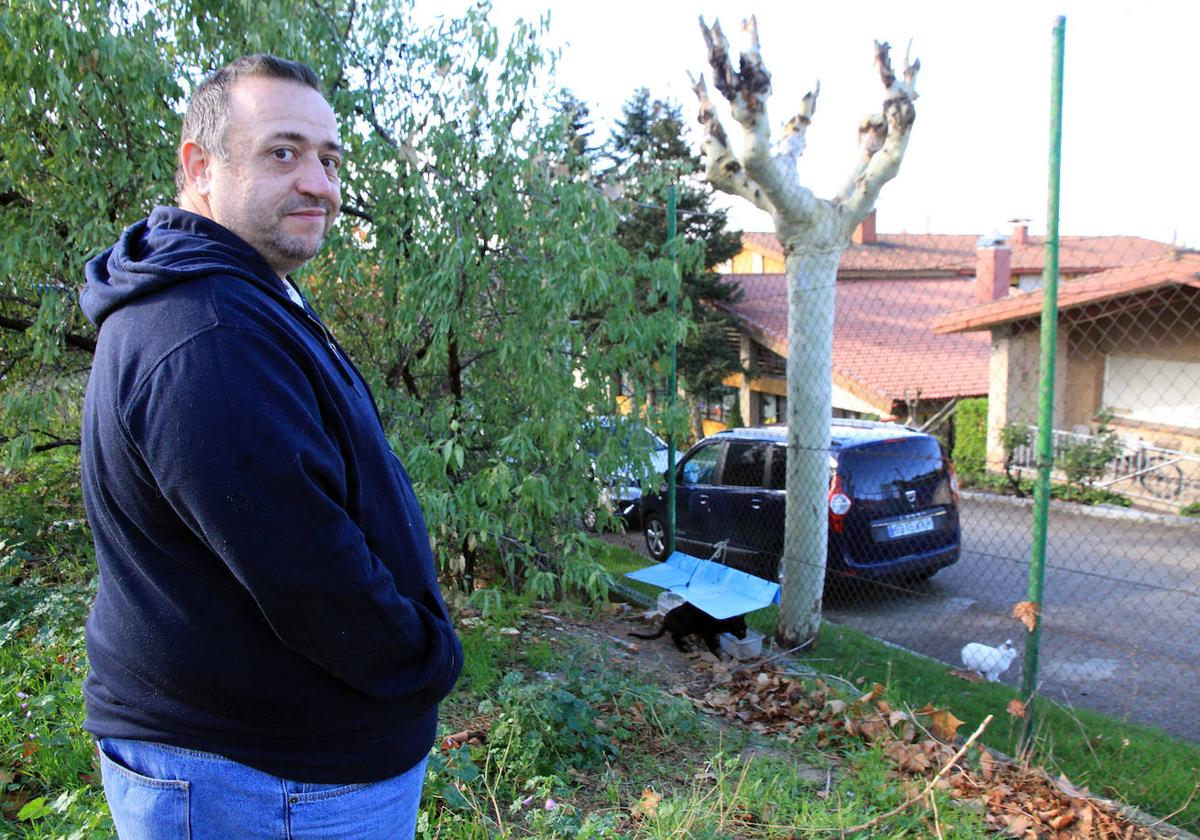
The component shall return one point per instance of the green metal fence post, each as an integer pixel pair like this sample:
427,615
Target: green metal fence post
671,384
1045,434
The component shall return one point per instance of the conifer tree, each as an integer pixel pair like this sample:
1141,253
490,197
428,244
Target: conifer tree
646,153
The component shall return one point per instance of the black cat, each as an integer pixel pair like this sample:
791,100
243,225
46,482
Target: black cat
690,620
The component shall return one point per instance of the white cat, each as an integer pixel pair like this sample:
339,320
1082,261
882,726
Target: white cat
989,661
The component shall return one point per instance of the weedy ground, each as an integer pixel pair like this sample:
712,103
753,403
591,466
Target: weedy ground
560,727
563,728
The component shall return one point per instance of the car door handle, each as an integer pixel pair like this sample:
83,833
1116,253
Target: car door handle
702,498
756,503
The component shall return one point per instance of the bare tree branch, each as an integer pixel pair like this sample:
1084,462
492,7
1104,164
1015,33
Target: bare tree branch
13,197
351,210
55,443
79,342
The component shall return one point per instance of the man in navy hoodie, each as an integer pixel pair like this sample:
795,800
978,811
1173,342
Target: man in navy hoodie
268,644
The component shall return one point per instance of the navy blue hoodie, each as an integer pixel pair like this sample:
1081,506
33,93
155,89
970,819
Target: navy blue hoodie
267,590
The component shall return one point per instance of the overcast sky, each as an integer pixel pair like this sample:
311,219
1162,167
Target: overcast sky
979,150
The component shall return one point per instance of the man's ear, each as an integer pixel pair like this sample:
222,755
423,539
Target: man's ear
197,164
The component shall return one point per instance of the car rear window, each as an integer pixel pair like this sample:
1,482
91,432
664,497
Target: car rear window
891,465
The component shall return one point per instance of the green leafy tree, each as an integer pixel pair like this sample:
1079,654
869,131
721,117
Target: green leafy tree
648,152
85,110
467,249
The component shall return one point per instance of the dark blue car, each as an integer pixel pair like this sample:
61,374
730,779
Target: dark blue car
892,502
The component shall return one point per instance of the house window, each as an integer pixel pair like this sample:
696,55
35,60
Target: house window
772,408
1153,390
719,410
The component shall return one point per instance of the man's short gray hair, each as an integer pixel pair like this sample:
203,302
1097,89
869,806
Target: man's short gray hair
208,110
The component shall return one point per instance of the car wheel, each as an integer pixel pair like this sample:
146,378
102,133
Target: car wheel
656,536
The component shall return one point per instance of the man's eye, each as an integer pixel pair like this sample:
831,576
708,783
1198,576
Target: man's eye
284,154
331,163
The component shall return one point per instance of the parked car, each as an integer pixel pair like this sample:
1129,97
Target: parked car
620,489
892,502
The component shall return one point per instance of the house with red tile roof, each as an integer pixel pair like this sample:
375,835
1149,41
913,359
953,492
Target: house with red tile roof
1128,350
892,290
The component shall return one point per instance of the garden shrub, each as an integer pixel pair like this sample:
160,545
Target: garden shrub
970,439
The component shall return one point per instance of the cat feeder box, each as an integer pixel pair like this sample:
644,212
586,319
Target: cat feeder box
747,648
717,589
668,601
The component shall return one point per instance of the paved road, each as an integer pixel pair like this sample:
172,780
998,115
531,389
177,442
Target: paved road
1121,631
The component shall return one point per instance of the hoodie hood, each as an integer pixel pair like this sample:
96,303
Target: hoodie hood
171,246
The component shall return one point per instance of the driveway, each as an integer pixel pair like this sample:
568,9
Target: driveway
1121,630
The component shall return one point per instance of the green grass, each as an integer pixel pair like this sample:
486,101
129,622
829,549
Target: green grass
1137,765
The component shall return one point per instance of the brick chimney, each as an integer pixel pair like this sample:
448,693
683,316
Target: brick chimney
864,234
1020,233
993,270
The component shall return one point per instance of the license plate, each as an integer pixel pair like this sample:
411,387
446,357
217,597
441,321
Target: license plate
908,527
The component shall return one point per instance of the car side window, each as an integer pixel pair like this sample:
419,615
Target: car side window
745,465
701,466
777,479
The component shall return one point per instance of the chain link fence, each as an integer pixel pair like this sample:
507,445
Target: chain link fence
906,511
931,461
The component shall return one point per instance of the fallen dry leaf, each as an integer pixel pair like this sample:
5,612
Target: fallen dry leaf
943,723
1018,800
1016,825
908,757
969,676
474,737
987,765
1015,708
1026,612
647,805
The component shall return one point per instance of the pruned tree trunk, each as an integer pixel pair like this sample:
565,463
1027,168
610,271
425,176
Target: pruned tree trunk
814,232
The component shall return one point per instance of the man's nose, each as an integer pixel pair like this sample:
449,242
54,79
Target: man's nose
313,179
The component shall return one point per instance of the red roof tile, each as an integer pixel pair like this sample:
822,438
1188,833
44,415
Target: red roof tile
1184,270
933,253
882,341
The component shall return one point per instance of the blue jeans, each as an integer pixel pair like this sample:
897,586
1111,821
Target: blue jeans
160,792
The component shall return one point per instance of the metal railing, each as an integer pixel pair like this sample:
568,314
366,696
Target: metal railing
1152,476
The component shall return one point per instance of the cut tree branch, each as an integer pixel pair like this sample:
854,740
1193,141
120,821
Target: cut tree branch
724,171
747,90
769,179
882,137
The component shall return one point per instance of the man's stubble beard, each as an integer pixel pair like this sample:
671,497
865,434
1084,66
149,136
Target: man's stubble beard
283,251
